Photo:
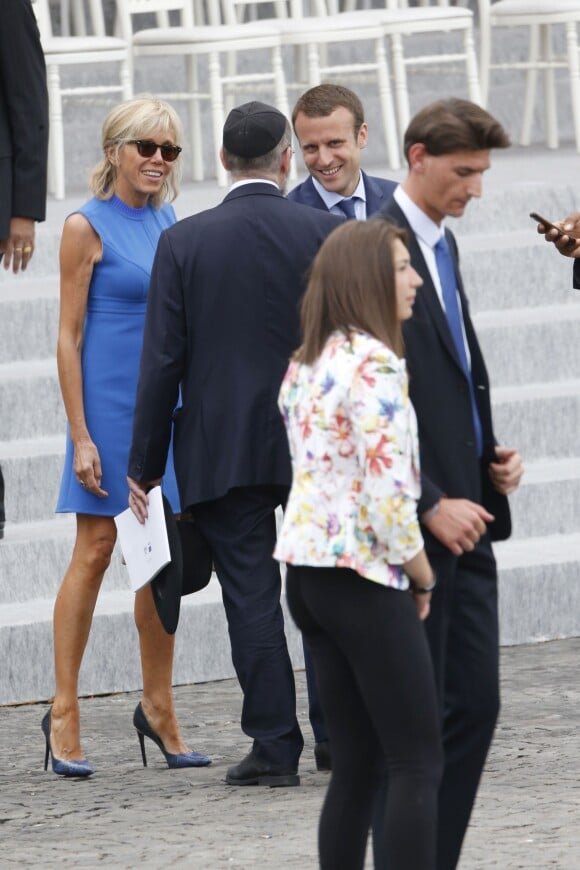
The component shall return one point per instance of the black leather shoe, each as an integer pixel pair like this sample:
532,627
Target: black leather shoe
252,771
323,756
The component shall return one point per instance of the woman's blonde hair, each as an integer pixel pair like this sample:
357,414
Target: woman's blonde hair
138,118
352,285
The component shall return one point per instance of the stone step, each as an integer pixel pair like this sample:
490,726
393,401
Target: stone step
28,318
539,588
548,501
111,661
34,554
514,270
539,599
30,400
34,557
32,470
540,419
522,346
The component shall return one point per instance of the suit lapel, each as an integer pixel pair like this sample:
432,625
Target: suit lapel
427,292
311,197
374,195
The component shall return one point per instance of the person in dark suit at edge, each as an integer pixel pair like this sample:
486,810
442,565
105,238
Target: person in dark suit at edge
23,142
330,126
222,322
465,476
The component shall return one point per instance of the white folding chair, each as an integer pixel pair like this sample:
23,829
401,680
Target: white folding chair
318,32
400,21
191,40
542,17
77,50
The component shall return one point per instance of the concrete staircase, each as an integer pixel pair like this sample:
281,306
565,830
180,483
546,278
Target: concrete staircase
528,319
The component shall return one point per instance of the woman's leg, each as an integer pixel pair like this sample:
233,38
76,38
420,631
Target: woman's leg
378,632
157,668
73,614
345,816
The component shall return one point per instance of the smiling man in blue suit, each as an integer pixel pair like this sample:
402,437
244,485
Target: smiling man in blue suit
330,127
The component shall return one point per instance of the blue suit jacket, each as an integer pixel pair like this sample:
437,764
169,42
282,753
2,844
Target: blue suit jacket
576,274
378,192
440,395
222,321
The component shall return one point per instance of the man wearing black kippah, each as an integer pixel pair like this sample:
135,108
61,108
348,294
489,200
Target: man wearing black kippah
222,322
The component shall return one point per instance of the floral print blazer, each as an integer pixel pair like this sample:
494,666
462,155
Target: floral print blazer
352,433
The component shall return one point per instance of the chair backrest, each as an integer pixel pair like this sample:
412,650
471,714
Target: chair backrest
236,11
159,8
88,15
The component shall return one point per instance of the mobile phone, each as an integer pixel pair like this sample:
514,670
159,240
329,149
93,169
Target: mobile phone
548,224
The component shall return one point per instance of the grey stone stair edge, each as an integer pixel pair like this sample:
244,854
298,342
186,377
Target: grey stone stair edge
507,318
537,600
111,662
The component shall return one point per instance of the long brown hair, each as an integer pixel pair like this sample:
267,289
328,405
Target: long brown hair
352,285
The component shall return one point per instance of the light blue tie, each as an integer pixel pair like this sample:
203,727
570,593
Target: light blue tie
448,281
346,206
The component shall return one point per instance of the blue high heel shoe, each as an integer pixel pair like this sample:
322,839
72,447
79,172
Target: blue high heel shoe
183,759
59,765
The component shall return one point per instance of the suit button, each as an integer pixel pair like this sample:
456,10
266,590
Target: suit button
469,444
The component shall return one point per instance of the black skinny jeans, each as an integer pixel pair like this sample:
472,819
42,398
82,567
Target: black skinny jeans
377,690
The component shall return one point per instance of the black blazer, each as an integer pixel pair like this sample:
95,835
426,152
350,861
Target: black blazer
378,191
576,275
23,116
222,321
440,394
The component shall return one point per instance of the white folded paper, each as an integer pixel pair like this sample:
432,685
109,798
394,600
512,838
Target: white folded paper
145,546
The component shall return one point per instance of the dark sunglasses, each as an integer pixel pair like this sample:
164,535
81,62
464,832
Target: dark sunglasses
147,148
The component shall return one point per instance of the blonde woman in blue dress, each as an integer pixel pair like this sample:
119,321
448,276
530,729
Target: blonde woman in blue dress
106,256
358,580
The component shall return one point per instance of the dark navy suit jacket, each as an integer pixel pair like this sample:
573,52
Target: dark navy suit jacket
222,321
576,274
23,116
440,394
378,192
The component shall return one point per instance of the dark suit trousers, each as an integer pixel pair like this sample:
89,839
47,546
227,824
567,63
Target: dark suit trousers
464,639
241,530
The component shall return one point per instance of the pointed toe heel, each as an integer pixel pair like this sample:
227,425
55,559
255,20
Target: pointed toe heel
80,767
183,759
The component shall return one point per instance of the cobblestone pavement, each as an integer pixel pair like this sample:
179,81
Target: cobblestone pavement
527,815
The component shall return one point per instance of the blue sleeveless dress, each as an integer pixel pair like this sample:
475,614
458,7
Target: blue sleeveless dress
112,339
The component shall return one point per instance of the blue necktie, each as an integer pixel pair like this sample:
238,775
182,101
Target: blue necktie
452,312
346,206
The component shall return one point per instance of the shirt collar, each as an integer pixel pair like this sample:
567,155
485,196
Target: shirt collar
244,181
424,228
330,198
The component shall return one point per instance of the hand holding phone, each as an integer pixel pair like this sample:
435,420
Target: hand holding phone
546,223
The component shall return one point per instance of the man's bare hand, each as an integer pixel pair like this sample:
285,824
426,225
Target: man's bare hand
568,240
138,500
459,524
19,247
507,472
